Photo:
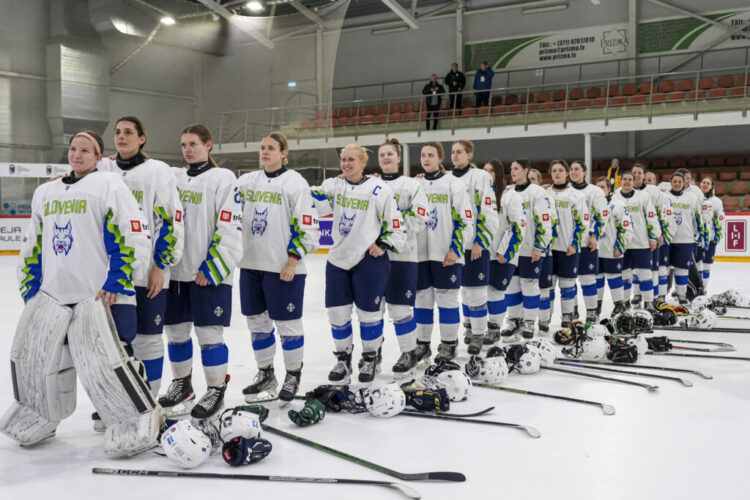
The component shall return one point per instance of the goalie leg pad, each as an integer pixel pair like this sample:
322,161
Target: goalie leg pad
114,381
44,380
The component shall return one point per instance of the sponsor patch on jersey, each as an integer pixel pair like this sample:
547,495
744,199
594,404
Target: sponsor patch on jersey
651,214
178,216
704,207
605,213
421,211
669,212
225,216
625,223
721,217
585,216
487,200
468,214
545,217
135,226
307,220
396,224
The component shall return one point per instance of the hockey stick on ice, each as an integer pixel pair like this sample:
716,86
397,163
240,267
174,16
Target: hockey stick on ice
647,367
608,379
683,381
718,344
457,415
717,329
406,490
686,355
607,409
418,476
531,431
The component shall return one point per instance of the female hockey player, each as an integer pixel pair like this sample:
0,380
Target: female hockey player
155,189
504,250
560,265
85,246
280,227
402,282
366,224
589,257
613,242
688,230
657,199
440,251
524,287
475,274
712,211
646,232
200,293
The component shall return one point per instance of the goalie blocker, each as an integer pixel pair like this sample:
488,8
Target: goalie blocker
52,343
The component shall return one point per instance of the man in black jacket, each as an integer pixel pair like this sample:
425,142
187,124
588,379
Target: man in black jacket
456,81
432,92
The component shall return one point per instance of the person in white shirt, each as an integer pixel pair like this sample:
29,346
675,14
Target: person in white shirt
200,293
401,291
712,210
279,228
366,225
155,189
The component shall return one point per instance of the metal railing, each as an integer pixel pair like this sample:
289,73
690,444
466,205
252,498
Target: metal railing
379,116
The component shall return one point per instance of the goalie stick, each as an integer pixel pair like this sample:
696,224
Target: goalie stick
683,381
457,415
406,490
417,476
686,355
531,431
648,367
608,379
607,409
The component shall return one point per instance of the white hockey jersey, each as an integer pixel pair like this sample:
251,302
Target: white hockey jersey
278,220
84,237
213,225
617,229
155,189
540,213
643,216
511,229
450,222
712,211
688,221
362,214
596,202
412,202
479,190
660,204
570,227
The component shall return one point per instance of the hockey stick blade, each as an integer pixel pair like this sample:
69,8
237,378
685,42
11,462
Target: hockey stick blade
683,381
531,431
459,415
408,491
717,329
649,367
704,342
607,409
704,349
648,387
419,476
687,355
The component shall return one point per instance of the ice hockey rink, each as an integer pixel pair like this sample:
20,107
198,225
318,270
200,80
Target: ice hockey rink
676,442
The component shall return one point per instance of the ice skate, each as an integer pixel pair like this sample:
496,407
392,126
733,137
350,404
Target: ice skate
342,370
378,361
511,331
493,334
290,387
406,365
475,346
467,332
263,387
368,367
179,399
211,402
447,350
527,331
423,352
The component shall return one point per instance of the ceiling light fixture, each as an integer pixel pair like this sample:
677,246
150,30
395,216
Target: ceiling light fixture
169,21
255,6
545,8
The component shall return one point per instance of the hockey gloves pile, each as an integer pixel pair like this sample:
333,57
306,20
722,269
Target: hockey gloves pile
312,413
243,451
659,344
423,399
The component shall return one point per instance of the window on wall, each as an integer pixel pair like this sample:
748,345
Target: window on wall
16,194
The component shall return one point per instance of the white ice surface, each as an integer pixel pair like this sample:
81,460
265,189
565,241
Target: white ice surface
676,443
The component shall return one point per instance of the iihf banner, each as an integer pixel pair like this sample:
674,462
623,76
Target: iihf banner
609,42
736,242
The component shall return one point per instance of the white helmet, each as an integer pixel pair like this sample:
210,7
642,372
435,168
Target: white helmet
185,444
597,330
639,341
705,320
530,361
456,383
700,302
236,423
644,321
546,351
735,298
493,370
594,349
385,400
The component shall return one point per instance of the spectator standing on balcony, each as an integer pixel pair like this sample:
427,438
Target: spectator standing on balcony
483,84
455,81
432,92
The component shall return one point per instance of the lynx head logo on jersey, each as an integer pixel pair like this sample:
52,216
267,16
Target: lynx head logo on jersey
63,239
260,222
678,217
345,224
432,222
